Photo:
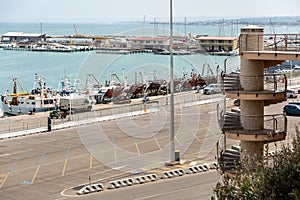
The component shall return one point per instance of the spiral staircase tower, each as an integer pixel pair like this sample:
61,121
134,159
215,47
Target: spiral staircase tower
255,89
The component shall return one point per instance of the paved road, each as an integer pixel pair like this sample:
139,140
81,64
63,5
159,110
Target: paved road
42,166
196,186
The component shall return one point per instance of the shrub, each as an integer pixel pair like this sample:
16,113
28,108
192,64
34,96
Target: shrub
277,177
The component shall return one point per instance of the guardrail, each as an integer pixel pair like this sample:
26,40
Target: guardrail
11,125
272,42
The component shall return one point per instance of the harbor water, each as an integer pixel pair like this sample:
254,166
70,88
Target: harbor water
54,65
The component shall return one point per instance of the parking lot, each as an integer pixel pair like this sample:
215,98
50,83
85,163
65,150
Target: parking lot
45,164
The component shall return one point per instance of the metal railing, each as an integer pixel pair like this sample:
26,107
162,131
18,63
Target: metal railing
272,82
271,42
272,123
9,125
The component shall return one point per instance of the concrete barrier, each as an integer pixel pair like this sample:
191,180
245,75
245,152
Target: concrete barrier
145,178
97,187
213,165
120,183
201,168
205,167
194,169
172,173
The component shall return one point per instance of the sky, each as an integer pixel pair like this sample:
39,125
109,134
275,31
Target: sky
74,11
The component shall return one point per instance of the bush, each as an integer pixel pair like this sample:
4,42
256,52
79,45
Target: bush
273,178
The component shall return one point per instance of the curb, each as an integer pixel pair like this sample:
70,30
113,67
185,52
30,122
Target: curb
90,188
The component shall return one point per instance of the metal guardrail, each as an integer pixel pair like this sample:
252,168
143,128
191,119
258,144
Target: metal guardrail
272,42
9,125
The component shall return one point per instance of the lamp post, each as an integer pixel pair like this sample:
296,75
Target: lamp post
172,143
291,74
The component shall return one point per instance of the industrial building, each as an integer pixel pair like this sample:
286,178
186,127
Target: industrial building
22,37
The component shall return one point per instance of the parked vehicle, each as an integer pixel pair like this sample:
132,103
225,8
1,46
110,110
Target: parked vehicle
291,94
74,103
292,109
211,89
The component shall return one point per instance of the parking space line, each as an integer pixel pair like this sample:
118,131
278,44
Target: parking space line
13,164
3,180
66,161
178,141
64,169
35,174
115,152
91,156
157,143
91,161
38,167
197,138
137,149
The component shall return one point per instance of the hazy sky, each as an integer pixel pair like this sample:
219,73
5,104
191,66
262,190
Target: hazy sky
71,11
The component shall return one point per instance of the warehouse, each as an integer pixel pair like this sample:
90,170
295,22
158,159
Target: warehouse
22,37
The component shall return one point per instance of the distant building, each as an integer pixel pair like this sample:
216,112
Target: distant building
217,44
150,43
22,37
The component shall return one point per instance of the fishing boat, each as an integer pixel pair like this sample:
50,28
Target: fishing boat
40,99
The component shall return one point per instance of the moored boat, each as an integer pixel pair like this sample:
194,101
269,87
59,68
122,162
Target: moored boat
39,100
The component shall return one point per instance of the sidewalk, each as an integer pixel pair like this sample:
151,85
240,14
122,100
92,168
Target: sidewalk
75,123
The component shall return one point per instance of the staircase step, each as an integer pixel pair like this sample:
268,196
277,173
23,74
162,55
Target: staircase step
232,118
236,147
232,151
230,159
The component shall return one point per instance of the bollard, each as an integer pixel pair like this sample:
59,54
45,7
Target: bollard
177,156
49,124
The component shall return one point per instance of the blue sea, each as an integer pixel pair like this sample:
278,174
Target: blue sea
54,66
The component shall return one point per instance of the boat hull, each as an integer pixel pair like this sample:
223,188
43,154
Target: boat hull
19,110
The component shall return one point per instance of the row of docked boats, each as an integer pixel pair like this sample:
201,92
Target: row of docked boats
41,98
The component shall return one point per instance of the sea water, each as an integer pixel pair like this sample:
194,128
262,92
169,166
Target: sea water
136,67
54,66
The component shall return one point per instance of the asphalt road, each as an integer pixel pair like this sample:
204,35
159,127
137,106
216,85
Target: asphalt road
196,186
52,165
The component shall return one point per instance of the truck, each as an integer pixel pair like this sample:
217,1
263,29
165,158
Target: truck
75,103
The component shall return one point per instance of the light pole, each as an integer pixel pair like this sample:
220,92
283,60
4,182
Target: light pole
291,74
172,143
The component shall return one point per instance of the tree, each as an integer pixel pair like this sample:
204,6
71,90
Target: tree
275,177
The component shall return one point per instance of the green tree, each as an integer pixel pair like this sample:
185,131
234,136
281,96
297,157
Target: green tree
275,177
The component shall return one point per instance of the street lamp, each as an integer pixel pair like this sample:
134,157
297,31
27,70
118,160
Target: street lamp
172,143
291,75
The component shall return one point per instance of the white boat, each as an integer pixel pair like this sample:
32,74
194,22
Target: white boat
39,100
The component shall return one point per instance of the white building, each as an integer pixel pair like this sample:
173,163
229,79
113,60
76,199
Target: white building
150,43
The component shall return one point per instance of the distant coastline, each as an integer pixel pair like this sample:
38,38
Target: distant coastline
263,21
